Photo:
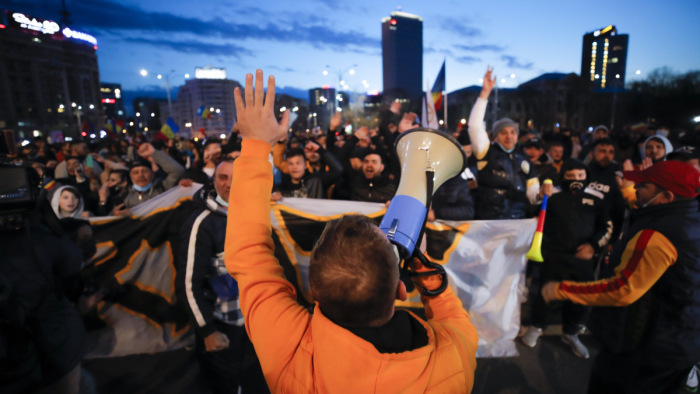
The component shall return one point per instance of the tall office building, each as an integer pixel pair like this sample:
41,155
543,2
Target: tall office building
321,107
112,100
210,88
402,56
49,79
604,57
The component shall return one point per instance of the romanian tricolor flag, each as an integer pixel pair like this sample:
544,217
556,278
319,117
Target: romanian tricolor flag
438,88
120,125
204,112
169,129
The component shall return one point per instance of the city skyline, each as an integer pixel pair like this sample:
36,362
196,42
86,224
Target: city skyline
297,42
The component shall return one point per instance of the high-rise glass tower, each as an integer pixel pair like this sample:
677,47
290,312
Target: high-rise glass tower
604,57
402,55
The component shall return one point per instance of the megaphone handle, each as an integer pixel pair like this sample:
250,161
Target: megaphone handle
429,185
437,269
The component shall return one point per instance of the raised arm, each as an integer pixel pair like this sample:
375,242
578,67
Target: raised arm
477,132
267,300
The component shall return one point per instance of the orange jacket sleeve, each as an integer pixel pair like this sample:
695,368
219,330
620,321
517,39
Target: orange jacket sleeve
275,322
646,257
278,157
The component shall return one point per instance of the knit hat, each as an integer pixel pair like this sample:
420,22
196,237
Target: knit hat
675,176
502,123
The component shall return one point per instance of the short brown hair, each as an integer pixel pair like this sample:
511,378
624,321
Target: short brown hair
354,272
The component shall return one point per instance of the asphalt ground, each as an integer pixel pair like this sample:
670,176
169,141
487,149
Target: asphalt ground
549,367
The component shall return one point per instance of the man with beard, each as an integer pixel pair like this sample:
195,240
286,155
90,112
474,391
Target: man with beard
144,185
603,173
647,308
556,153
370,183
113,192
577,226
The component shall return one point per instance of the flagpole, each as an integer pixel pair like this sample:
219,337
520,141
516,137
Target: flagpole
444,108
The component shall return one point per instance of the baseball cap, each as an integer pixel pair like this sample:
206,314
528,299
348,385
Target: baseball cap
533,143
675,176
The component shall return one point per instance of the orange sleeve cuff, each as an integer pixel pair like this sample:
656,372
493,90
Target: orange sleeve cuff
255,148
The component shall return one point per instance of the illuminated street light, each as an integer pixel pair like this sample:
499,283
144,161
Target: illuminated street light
144,73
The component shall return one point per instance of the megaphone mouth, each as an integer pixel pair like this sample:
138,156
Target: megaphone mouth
441,134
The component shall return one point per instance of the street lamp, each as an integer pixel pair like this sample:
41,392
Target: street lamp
166,77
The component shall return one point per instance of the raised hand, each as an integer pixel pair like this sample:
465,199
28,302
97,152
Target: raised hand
146,150
489,83
407,121
336,119
256,118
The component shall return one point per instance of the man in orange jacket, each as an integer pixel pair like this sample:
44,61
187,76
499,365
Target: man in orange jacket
354,341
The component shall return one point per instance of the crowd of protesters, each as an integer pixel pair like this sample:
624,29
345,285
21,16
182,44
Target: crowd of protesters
503,180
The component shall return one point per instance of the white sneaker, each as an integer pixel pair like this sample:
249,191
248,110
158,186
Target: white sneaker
531,335
577,347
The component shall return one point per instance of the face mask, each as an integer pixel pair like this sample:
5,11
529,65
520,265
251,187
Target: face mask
143,188
652,200
506,150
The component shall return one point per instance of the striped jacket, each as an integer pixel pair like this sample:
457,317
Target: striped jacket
652,298
209,293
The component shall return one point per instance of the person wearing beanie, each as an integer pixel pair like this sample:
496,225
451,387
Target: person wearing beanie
647,307
507,184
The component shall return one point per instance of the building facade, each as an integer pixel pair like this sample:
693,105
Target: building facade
49,78
210,91
604,58
321,107
402,58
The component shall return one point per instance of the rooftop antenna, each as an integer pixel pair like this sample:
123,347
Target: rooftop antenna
65,15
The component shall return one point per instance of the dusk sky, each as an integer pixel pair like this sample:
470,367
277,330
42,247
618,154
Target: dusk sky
295,40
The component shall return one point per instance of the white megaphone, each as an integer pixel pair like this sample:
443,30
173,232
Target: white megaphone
428,158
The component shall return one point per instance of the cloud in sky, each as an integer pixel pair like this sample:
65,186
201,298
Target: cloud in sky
468,59
481,48
513,62
114,17
194,46
459,27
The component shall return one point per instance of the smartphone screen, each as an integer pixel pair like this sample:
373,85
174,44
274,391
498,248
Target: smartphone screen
88,161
